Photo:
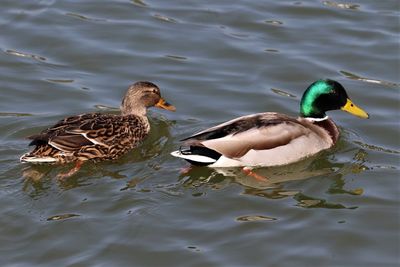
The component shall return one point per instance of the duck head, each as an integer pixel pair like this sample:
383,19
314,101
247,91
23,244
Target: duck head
142,95
325,95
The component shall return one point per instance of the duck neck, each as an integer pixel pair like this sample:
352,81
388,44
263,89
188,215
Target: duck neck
310,110
128,109
313,102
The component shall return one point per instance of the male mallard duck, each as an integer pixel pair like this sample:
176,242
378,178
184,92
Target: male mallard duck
97,136
270,138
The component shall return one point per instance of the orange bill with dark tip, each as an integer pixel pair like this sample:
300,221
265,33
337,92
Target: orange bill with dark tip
165,105
353,109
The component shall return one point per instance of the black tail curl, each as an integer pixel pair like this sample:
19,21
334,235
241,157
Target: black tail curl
201,151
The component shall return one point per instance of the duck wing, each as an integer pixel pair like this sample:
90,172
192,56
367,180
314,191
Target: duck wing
59,128
72,133
261,131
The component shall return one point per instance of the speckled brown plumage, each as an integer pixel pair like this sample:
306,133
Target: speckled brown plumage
90,136
98,136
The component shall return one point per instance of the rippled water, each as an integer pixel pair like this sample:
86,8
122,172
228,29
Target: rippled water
214,61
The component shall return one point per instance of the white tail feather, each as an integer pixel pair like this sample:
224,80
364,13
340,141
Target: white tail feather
193,157
33,159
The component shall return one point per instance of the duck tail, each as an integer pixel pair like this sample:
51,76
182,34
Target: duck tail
28,157
197,155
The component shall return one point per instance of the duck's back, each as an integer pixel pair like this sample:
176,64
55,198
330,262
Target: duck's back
94,136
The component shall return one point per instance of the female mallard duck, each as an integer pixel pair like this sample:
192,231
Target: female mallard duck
97,136
272,139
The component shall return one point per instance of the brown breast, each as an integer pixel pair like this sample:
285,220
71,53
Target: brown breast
331,128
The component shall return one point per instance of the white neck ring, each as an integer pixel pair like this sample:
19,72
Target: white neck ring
316,119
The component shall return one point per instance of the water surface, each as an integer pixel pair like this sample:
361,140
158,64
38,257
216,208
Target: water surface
214,61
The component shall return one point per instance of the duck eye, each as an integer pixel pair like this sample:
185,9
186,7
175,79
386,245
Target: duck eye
150,92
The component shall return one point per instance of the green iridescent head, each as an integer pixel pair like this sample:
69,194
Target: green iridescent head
324,95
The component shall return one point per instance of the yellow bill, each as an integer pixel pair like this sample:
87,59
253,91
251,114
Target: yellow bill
351,108
165,105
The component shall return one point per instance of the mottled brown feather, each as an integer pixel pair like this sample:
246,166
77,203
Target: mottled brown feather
93,136
97,136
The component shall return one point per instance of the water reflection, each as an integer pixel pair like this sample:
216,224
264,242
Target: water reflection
37,179
164,18
34,181
132,183
24,54
139,3
254,218
353,76
14,114
62,217
341,5
278,180
82,17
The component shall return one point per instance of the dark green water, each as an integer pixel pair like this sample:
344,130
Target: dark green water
214,61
